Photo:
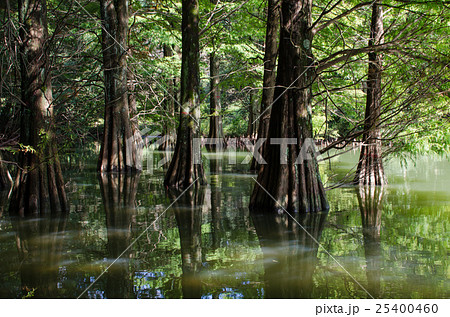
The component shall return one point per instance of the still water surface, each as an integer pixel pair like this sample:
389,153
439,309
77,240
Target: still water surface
393,243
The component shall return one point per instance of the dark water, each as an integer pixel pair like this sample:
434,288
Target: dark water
390,243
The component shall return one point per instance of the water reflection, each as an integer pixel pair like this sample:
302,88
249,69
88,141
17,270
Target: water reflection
188,215
40,244
119,200
290,252
409,259
370,199
216,198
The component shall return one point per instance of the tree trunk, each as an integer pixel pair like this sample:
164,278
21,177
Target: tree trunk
3,201
122,143
39,186
215,108
132,105
168,107
289,178
270,59
370,169
184,168
251,127
5,177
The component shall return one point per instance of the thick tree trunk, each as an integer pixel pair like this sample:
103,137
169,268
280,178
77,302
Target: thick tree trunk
168,107
119,201
370,200
215,107
287,178
188,214
132,105
5,184
270,60
289,273
3,201
39,186
5,177
370,169
184,168
251,126
122,143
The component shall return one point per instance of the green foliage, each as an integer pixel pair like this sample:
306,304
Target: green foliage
415,77
20,148
424,138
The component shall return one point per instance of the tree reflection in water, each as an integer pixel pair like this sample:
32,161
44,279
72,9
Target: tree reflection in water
370,199
188,214
39,243
119,201
289,252
216,199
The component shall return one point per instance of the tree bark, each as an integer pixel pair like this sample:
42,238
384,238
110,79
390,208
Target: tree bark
270,60
370,169
132,105
290,180
215,107
122,143
182,170
39,185
168,106
251,127
5,177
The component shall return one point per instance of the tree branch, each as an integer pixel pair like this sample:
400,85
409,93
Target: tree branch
325,24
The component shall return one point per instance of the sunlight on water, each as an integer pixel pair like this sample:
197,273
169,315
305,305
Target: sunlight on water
392,242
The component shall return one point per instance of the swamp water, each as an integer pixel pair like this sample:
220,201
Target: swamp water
393,243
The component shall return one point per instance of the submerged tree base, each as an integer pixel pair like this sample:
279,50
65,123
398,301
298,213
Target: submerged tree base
285,182
370,171
186,166
39,189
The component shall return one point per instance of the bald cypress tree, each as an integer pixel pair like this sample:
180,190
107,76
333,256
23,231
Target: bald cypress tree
122,143
39,186
184,169
215,107
370,169
286,181
269,77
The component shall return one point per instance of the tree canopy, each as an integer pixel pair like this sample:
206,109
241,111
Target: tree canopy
415,86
